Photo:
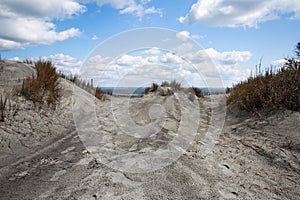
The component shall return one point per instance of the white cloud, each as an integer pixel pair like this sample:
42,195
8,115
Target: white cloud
227,63
183,35
95,37
24,24
63,63
171,58
229,57
134,7
153,50
136,69
32,22
278,63
234,13
184,48
198,36
15,58
226,57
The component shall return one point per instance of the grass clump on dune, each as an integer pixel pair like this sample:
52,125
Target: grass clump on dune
153,88
198,92
99,94
166,88
175,85
43,86
272,89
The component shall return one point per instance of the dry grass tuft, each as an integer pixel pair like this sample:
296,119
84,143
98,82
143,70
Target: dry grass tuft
175,85
99,94
197,91
43,86
153,88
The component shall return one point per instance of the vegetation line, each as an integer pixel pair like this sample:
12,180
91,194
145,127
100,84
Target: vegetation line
271,89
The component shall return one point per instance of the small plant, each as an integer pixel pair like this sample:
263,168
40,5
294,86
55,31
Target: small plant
198,92
147,90
28,61
1,59
165,84
153,88
99,94
176,86
227,91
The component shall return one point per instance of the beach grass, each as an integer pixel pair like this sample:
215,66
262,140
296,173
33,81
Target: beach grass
271,89
43,87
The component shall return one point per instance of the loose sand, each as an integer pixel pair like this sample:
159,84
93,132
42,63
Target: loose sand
43,155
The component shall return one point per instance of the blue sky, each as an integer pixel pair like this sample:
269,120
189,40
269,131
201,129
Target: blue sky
235,34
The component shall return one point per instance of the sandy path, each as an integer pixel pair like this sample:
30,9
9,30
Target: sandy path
247,161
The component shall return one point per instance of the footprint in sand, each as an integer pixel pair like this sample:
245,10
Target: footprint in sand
228,195
226,169
56,176
68,150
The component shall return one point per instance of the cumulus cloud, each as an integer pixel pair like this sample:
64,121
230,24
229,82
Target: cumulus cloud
171,58
227,63
63,63
183,35
278,63
29,23
132,70
234,13
134,7
184,48
229,57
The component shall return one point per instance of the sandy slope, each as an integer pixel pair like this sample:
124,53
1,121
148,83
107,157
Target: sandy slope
26,127
250,158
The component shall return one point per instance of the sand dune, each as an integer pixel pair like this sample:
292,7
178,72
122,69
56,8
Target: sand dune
150,147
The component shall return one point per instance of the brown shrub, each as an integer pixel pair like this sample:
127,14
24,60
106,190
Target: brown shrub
153,88
99,94
197,91
176,86
279,89
44,86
